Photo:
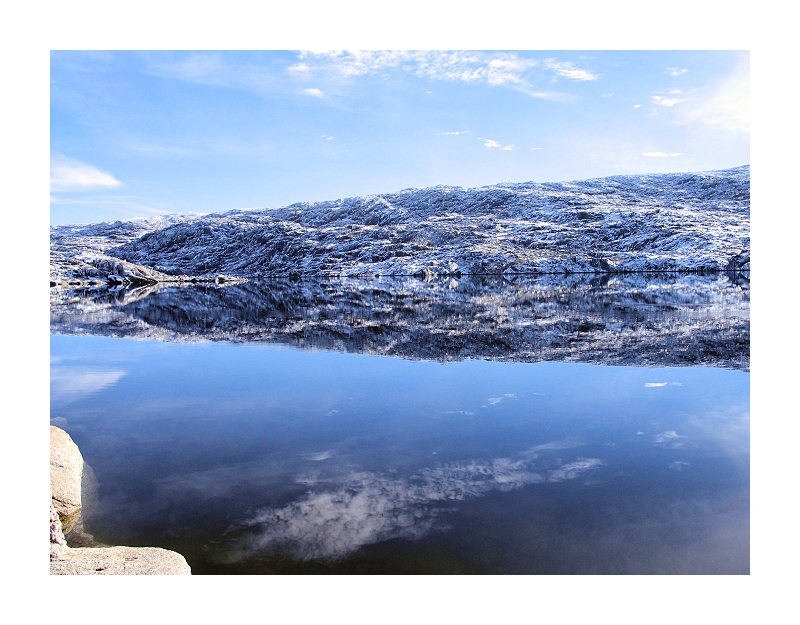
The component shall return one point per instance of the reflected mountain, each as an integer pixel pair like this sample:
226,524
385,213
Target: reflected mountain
623,319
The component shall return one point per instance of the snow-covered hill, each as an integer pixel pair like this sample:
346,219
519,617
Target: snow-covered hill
660,222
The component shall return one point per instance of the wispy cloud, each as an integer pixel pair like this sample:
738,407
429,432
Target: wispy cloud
313,91
212,68
565,69
660,155
331,69
491,143
452,65
122,205
67,174
453,133
662,100
299,68
497,69
676,71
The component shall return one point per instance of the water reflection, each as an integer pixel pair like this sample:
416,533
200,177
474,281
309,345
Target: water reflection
338,516
257,458
264,459
634,319
74,383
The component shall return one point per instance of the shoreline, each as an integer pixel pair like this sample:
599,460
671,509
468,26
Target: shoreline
67,470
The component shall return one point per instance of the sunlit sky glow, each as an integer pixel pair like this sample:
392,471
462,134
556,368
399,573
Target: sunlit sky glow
144,133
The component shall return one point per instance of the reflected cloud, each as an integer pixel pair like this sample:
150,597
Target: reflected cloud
341,515
678,465
72,383
565,443
322,455
59,422
493,401
670,437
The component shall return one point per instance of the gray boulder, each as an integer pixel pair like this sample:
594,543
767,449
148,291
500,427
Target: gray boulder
119,561
66,468
58,544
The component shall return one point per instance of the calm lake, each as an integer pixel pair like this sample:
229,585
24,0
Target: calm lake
552,425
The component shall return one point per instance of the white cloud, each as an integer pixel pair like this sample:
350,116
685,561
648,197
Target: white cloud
299,68
676,71
636,106
491,143
661,100
568,70
452,65
70,175
498,69
454,132
533,149
327,137
655,384
313,91
660,155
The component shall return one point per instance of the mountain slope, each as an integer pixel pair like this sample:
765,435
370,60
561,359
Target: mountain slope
662,222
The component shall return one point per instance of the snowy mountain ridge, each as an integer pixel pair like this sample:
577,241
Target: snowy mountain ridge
657,222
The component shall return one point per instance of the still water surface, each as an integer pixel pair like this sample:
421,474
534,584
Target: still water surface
273,459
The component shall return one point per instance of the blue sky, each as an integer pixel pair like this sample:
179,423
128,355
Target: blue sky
144,133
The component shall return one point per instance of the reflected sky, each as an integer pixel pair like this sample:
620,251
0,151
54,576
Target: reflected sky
265,459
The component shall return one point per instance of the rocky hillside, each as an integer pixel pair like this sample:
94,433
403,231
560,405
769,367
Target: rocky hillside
663,222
